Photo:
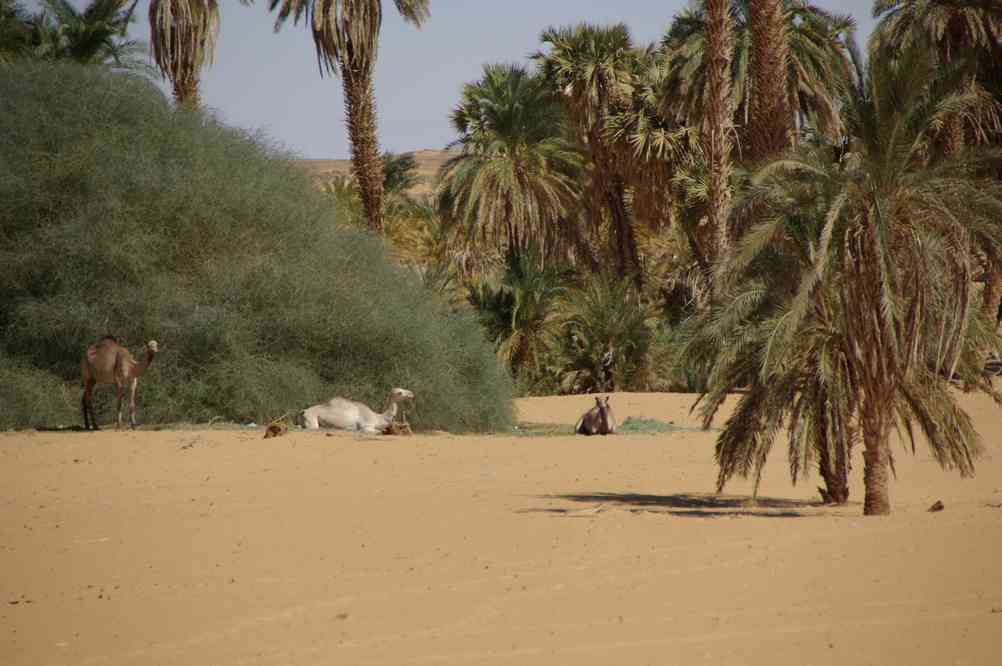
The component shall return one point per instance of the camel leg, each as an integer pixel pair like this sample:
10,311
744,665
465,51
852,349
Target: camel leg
121,397
132,403
90,419
83,407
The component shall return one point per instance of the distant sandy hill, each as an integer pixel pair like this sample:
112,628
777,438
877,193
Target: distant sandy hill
428,164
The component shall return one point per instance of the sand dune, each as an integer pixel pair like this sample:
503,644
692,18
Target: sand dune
428,163
220,547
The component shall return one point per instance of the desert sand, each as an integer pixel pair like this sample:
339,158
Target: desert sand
218,547
427,162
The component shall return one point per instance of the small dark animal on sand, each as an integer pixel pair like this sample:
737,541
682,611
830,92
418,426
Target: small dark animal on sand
599,420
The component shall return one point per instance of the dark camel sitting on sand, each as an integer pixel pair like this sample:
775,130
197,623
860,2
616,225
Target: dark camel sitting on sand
599,420
108,362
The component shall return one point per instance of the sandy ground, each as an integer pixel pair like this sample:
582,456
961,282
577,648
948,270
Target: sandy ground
220,547
428,163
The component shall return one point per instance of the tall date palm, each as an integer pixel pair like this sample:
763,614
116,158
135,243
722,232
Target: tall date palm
183,39
882,307
717,123
592,70
960,33
346,36
771,122
818,67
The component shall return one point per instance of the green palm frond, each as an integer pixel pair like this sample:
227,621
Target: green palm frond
95,35
880,243
515,180
820,68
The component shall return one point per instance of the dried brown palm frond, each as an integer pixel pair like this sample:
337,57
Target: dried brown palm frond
183,40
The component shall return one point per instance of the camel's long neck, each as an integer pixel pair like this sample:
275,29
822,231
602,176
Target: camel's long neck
391,410
140,368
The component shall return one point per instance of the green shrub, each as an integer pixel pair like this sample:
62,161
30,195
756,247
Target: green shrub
33,397
120,215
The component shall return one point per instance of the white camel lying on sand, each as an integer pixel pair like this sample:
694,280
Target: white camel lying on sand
599,420
345,414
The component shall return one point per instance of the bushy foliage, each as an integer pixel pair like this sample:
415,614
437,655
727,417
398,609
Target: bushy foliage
123,216
606,336
566,333
518,311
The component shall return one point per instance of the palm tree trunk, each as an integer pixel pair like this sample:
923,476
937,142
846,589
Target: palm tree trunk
992,296
360,113
770,54
834,470
835,474
716,124
627,256
877,456
186,93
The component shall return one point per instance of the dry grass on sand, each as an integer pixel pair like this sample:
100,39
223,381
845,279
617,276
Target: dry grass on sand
221,547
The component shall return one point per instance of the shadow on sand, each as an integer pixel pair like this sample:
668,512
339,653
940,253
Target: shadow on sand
691,505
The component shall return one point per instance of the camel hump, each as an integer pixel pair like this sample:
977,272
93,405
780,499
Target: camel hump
103,342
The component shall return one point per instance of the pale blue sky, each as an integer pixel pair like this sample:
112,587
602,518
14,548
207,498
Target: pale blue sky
262,80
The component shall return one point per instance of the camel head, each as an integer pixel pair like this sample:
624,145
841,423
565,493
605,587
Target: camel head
398,394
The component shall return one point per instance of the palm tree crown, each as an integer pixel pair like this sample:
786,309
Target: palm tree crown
513,183
819,67
346,36
95,35
183,37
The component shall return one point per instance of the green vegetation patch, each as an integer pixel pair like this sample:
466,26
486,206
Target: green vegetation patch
635,424
122,216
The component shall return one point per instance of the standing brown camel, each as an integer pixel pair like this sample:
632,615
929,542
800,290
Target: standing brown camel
107,362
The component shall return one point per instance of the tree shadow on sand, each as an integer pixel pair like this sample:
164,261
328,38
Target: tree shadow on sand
691,505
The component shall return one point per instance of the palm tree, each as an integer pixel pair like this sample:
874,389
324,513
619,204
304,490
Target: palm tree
95,35
771,122
807,386
592,69
960,33
653,146
346,35
717,123
882,309
183,38
818,67
514,182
